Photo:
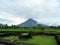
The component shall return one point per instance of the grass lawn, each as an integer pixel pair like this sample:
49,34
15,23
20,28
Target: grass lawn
55,31
40,40
19,30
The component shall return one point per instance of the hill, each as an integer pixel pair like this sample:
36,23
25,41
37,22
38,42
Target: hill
30,22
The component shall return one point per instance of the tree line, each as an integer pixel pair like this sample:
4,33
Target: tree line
39,26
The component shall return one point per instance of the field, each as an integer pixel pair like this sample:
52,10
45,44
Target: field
47,30
39,40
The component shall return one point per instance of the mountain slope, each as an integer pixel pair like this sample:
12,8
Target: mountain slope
30,22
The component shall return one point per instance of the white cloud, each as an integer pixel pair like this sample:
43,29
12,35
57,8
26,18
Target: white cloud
16,20
42,10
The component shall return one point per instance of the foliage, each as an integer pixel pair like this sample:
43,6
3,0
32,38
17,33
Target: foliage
39,40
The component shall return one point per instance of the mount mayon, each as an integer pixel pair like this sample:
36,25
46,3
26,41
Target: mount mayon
30,22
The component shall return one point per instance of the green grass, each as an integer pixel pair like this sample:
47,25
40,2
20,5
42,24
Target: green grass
31,30
47,30
18,29
40,40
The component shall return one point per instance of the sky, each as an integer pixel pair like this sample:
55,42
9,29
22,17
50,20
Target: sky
18,11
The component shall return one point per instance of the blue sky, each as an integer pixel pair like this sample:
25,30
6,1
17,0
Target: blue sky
43,11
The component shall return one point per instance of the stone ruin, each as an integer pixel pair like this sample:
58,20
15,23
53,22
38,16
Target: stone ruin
25,36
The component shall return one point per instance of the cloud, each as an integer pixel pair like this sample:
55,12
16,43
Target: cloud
44,11
9,17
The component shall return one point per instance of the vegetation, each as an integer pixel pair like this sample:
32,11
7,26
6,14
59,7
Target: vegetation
39,40
38,28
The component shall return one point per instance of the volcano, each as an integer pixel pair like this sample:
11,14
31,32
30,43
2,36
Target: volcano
29,23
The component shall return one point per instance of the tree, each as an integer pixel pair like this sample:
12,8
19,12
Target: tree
39,26
5,26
